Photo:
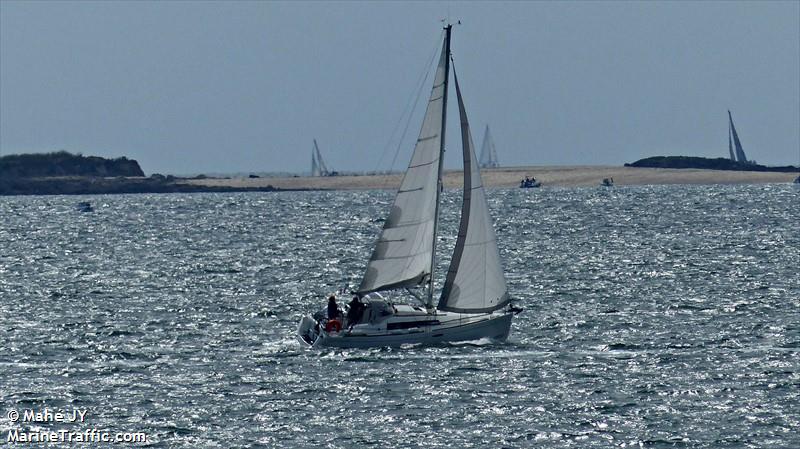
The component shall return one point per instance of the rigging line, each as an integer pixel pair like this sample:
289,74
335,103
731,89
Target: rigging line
408,122
409,113
421,82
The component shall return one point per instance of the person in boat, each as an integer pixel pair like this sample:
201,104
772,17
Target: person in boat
355,309
333,308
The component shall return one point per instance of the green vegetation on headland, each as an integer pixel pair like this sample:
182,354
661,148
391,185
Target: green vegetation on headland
63,173
704,163
63,163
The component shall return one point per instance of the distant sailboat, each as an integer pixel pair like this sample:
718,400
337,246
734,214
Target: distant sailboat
474,301
733,142
318,167
488,151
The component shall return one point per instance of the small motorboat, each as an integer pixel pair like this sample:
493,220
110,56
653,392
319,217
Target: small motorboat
607,182
85,206
529,183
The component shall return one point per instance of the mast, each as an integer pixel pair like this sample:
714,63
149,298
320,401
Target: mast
448,29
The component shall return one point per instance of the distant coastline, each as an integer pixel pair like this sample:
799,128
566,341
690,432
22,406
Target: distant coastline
63,173
506,177
509,177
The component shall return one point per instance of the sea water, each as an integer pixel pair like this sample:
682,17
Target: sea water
655,317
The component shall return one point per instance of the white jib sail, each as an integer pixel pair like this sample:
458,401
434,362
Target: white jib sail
475,281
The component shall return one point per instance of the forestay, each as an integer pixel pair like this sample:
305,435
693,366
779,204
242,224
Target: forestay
475,281
402,254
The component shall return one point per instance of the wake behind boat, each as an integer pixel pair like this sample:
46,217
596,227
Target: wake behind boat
474,302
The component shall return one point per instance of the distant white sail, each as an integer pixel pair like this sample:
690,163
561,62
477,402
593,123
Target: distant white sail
314,165
740,157
318,167
403,253
488,151
475,280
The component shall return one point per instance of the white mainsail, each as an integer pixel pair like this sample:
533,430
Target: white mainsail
475,281
740,157
404,251
488,151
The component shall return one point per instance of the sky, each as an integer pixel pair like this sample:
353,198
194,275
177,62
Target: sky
234,87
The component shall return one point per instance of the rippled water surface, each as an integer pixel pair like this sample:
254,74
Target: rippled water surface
654,317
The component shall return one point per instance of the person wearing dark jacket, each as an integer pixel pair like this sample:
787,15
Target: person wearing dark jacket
333,308
355,311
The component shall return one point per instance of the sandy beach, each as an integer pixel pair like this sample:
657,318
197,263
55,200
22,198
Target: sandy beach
572,176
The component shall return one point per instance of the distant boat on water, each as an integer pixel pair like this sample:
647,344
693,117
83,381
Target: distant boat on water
607,182
318,166
735,150
488,151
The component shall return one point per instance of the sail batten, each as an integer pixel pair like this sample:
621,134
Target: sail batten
475,282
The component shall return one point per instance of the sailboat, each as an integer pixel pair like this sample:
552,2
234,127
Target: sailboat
488,151
474,302
733,142
318,167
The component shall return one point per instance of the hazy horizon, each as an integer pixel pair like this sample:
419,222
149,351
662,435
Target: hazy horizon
218,87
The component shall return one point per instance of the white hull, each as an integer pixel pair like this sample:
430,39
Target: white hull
448,327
